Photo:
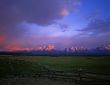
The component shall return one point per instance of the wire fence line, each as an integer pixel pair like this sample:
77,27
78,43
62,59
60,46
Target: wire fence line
52,76
49,76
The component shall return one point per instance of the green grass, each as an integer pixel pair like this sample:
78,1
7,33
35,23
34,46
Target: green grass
32,64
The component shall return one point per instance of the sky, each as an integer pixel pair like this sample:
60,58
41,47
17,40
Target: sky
63,23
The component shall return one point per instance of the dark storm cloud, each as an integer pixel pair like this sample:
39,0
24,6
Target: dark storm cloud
98,26
64,27
42,12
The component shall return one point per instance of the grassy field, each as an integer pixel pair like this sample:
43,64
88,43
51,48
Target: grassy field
32,64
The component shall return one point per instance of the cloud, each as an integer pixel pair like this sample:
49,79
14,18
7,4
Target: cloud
64,12
2,38
42,12
2,41
97,26
63,27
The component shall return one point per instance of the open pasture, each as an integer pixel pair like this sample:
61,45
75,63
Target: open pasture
32,64
77,70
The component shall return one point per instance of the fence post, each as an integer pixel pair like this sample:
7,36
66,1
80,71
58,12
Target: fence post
80,74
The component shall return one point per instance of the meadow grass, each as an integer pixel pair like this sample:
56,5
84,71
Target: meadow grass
32,64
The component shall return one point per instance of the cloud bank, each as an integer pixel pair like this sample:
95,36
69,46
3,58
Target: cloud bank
97,26
41,12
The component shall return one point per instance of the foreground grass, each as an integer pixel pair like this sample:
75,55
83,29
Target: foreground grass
32,64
